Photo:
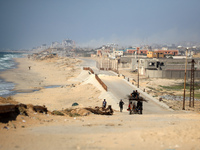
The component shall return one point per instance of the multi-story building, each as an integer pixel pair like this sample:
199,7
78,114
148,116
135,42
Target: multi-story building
168,52
137,51
155,54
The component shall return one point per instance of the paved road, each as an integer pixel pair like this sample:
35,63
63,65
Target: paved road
120,89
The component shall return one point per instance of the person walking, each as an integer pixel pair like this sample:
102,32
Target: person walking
121,103
139,107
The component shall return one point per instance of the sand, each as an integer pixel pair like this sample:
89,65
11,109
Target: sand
119,131
50,73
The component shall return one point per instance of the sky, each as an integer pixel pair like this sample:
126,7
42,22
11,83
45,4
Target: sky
25,24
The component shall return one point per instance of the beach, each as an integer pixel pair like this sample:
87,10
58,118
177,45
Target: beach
58,83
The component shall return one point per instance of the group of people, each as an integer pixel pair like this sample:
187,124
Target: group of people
135,94
132,107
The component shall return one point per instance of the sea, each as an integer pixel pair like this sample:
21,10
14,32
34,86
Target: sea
7,62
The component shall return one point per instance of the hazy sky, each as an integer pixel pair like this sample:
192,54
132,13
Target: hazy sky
29,23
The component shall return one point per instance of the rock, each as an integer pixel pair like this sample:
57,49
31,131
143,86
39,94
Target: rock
40,109
5,127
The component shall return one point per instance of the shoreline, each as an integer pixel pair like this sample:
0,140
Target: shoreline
8,86
50,83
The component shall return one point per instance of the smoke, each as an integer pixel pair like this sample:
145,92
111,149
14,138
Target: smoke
138,38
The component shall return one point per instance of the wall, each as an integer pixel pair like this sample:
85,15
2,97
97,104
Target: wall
171,74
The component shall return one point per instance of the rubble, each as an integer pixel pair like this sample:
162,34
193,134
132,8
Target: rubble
55,112
10,109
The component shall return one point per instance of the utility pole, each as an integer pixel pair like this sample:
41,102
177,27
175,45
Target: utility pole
138,67
185,79
192,84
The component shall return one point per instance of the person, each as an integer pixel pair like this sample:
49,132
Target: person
104,103
136,94
139,107
133,94
121,103
130,107
134,108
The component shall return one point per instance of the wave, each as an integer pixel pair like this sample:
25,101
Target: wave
7,62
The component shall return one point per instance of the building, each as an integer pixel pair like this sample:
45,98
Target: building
168,52
168,68
155,54
137,51
118,53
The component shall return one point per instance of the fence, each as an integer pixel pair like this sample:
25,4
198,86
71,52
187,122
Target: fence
88,68
101,82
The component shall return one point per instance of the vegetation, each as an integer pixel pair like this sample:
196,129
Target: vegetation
73,114
151,88
180,86
55,112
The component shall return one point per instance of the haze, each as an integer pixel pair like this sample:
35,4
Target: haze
25,24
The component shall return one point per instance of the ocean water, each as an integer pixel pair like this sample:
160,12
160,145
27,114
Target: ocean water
7,62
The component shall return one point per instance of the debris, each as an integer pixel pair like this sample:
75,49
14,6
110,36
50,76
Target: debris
40,109
5,127
55,112
75,104
13,125
22,109
101,110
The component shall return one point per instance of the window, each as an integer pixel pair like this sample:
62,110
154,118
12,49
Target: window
162,64
151,63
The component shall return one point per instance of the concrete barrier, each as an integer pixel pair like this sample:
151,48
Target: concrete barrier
101,82
88,68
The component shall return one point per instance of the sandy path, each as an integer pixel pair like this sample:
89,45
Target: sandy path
120,131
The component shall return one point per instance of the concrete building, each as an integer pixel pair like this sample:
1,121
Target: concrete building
155,54
137,51
168,52
168,68
160,68
118,53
